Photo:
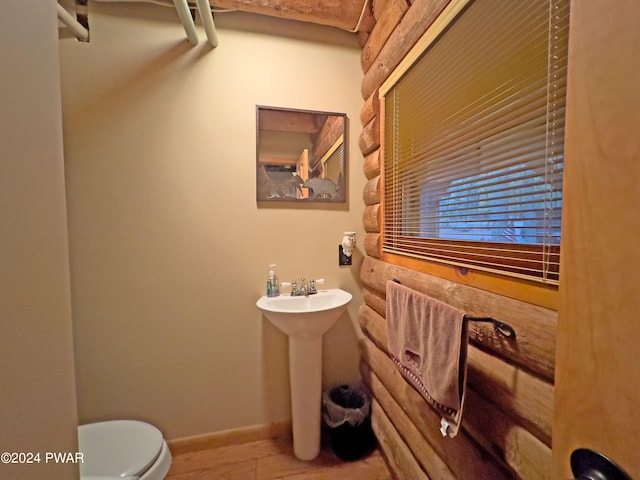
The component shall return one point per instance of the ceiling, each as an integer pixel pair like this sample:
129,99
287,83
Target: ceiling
348,15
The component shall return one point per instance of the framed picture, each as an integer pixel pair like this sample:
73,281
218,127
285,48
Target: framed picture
300,155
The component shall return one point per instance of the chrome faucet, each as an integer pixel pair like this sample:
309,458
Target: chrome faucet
304,289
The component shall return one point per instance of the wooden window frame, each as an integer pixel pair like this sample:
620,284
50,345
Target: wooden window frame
530,291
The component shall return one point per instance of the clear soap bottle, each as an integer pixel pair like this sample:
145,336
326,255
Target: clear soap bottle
273,284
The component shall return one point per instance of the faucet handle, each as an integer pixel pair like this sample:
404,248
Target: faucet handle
293,285
312,285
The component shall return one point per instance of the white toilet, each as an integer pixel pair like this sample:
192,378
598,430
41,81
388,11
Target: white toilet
124,450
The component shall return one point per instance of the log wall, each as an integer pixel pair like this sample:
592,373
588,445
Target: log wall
506,428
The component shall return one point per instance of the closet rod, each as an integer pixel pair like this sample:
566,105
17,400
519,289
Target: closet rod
78,30
204,8
187,21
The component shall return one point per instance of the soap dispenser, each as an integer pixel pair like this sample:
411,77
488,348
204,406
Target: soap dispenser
273,285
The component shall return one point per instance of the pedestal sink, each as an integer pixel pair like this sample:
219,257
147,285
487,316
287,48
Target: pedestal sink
304,320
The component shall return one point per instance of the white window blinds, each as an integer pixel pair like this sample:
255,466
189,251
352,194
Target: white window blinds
473,146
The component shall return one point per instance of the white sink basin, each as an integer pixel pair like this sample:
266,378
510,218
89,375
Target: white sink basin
305,316
304,320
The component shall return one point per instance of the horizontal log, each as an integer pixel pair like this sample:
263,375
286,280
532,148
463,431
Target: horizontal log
373,299
498,434
532,349
398,456
370,136
331,132
462,454
367,24
379,6
421,450
523,396
374,325
371,165
371,194
414,23
529,457
386,23
363,37
372,244
371,218
526,397
370,109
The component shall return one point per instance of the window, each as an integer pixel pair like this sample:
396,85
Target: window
473,142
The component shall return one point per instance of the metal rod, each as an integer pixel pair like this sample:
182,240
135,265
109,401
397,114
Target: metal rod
500,327
187,22
204,8
78,30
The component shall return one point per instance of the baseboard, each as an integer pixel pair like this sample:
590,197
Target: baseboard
225,438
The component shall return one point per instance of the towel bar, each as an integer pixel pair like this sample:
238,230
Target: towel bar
500,327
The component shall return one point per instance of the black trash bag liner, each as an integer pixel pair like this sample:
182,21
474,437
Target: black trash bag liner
346,410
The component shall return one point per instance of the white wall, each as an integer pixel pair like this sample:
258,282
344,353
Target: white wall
169,249
37,391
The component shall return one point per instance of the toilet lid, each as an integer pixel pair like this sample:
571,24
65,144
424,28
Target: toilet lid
118,447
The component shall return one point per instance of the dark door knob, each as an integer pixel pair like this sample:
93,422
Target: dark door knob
589,465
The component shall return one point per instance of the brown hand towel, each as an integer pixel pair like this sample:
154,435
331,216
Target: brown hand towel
428,343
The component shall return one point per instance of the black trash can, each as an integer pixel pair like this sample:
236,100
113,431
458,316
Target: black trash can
347,414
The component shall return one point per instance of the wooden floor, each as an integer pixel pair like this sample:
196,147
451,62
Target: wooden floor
273,459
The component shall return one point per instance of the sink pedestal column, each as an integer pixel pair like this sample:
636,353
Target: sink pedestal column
305,320
305,372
